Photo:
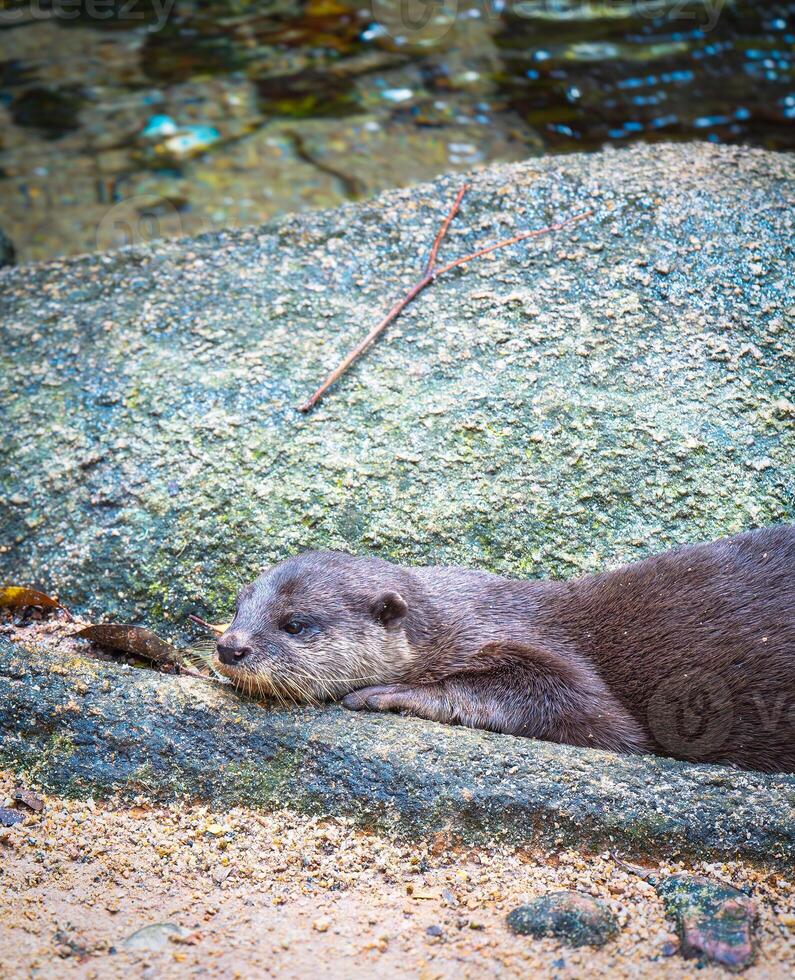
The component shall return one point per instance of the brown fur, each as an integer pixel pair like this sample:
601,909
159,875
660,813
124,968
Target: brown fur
689,654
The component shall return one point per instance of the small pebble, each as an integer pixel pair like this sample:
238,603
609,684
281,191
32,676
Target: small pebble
573,917
10,817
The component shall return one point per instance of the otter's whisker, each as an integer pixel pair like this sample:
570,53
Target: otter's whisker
202,659
303,691
302,694
282,690
336,679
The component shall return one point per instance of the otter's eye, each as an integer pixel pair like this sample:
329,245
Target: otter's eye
294,627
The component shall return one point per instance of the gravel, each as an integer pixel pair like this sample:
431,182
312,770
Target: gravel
81,877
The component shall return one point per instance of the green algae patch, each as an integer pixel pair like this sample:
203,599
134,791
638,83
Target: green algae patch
61,744
268,782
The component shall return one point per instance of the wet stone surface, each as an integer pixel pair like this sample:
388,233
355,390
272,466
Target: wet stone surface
572,917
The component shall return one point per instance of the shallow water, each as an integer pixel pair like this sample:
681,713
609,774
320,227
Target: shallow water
721,72
168,119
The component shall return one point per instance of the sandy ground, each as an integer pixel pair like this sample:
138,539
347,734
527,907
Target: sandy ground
290,896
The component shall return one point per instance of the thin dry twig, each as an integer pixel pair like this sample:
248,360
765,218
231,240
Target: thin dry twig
204,623
634,869
431,273
429,265
189,672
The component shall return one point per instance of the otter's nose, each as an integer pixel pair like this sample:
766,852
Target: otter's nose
232,648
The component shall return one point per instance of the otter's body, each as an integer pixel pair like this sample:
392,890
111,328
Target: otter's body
690,653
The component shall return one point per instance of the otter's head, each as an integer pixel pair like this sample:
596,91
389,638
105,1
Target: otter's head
317,626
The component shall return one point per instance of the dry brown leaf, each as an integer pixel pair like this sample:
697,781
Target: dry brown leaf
18,597
132,639
29,798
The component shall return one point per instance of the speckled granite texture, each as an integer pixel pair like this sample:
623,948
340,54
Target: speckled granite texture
566,404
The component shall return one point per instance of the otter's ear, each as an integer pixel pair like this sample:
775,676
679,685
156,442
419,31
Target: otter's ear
389,609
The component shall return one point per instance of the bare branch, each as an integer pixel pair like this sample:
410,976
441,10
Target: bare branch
431,273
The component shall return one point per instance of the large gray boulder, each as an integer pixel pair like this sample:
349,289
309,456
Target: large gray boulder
81,727
568,403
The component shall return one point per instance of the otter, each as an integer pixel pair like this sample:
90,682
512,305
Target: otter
689,654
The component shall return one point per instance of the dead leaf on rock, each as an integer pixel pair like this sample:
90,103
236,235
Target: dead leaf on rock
18,597
136,640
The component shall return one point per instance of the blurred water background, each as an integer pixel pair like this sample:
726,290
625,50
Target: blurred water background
125,120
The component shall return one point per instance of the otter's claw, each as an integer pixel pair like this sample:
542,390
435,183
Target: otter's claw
383,697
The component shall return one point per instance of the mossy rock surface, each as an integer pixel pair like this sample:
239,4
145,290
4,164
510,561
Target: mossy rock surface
569,403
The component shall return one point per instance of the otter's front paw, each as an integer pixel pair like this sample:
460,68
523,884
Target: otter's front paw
383,697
